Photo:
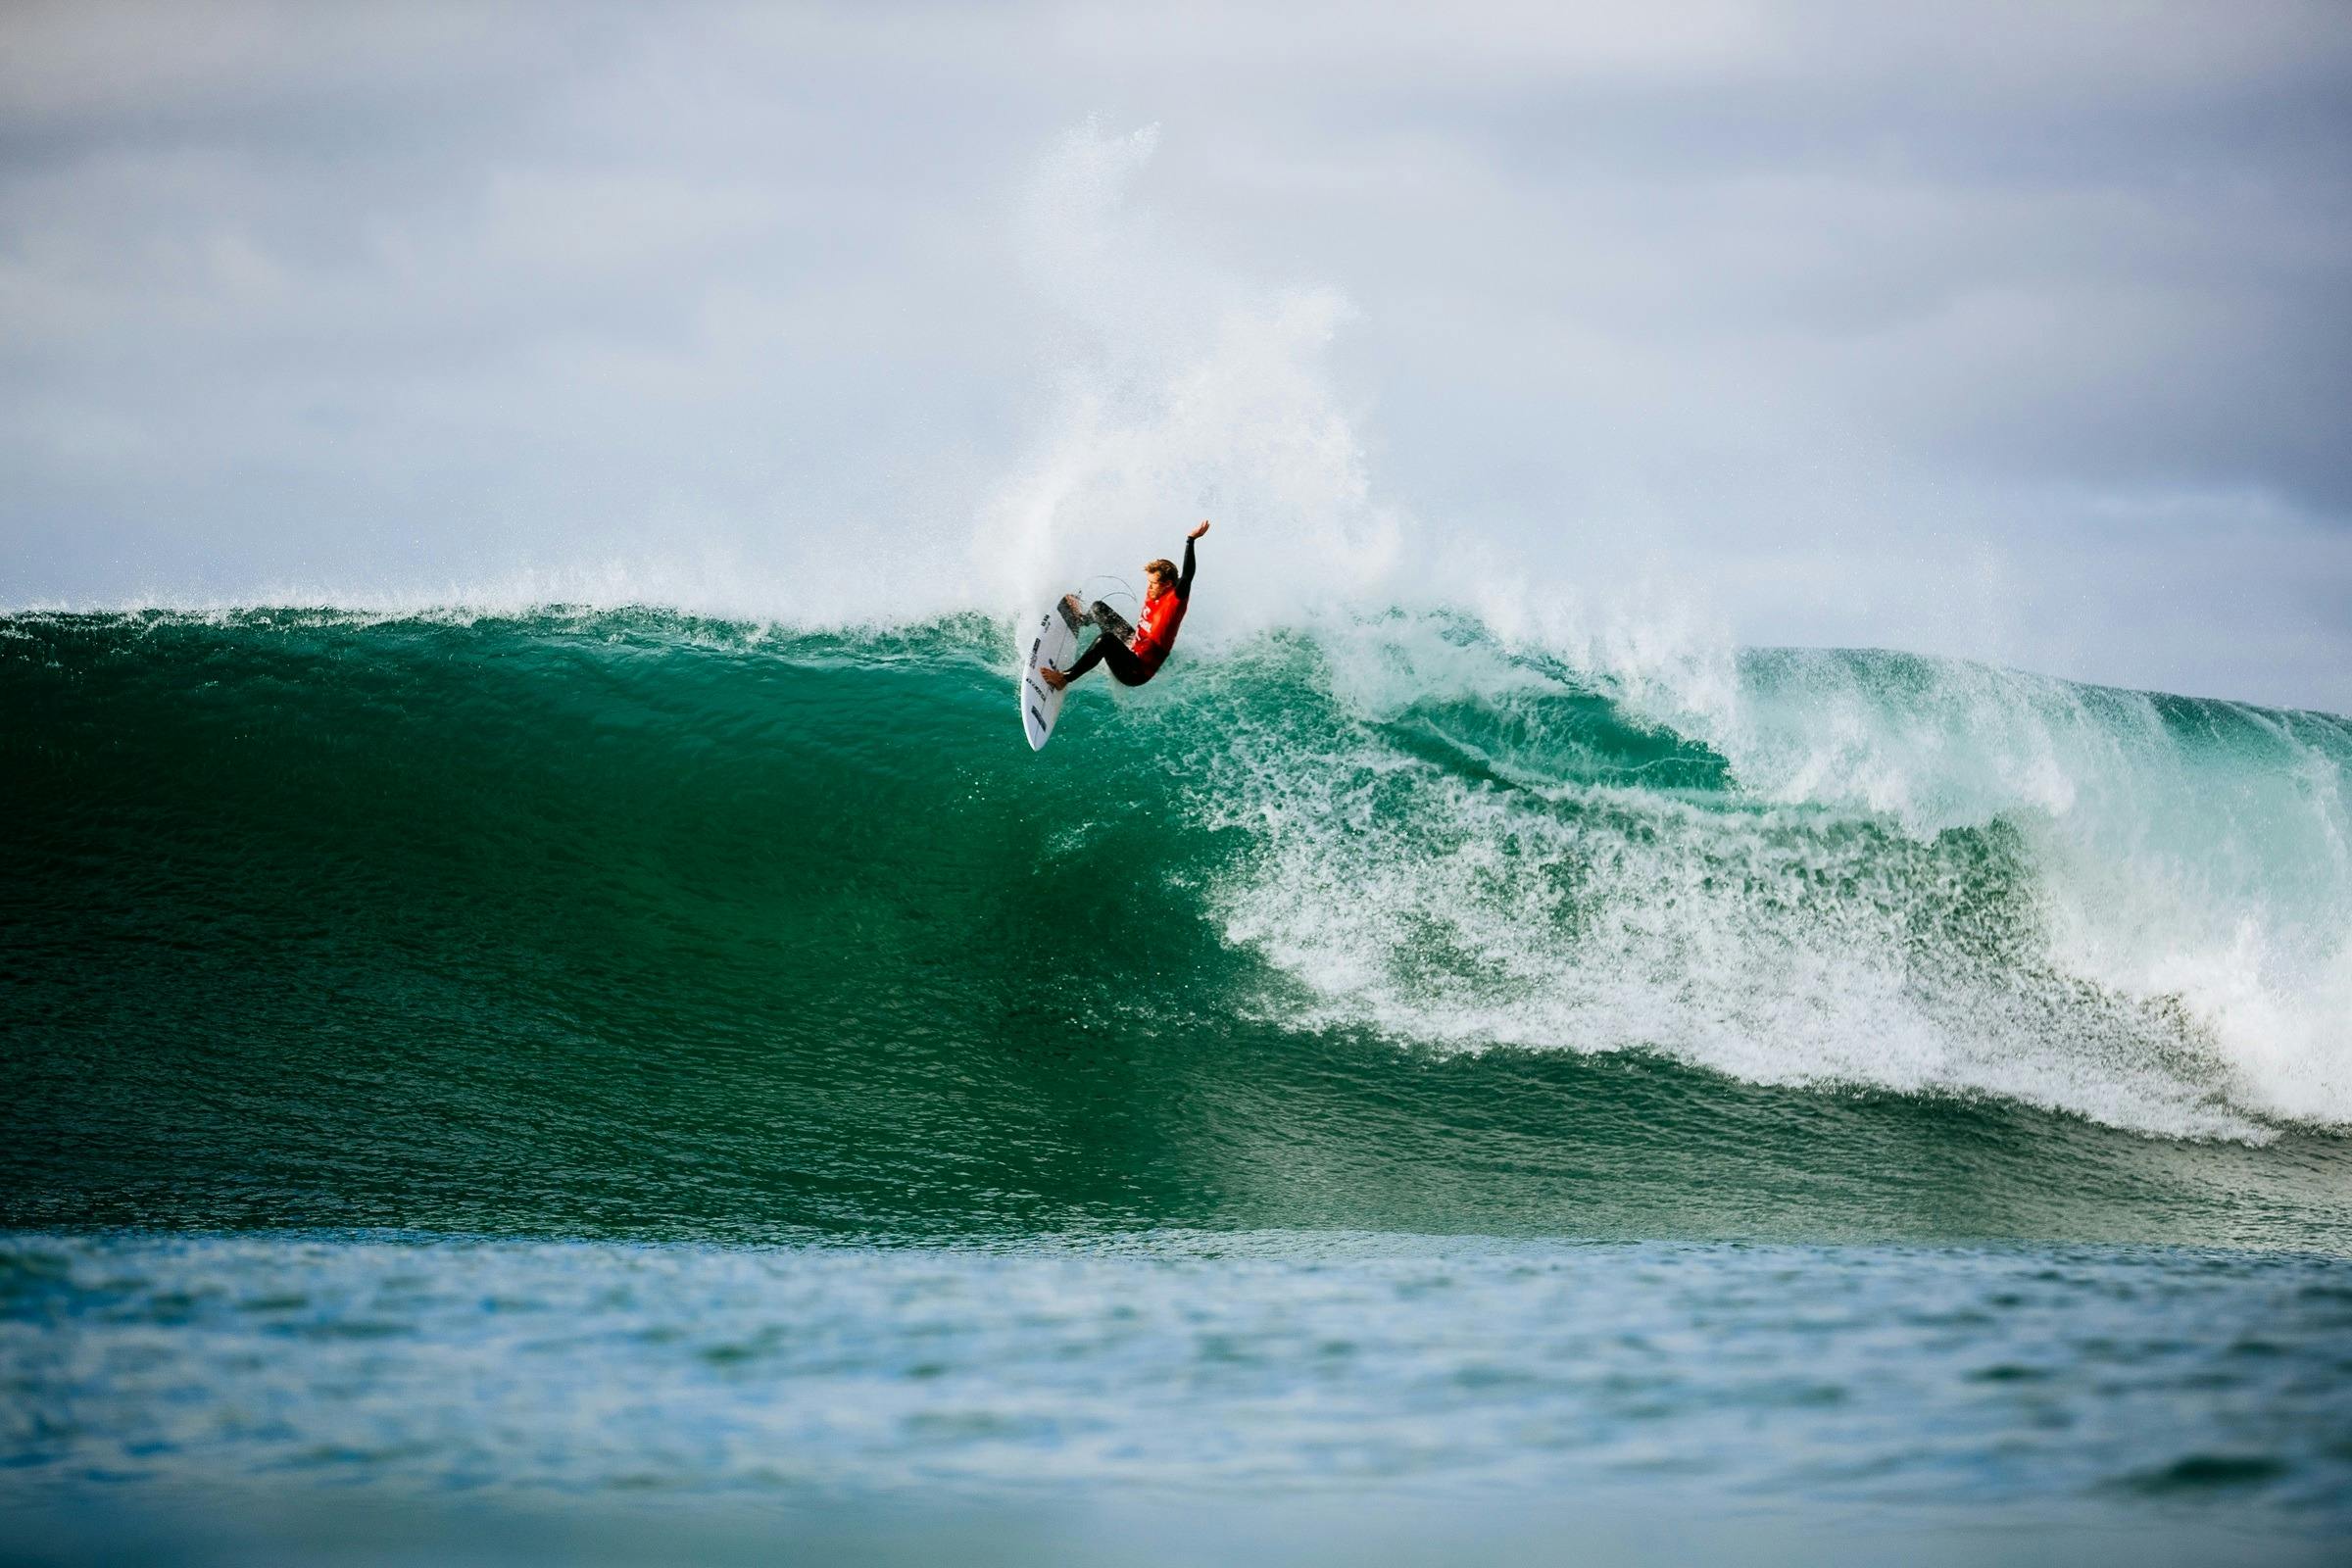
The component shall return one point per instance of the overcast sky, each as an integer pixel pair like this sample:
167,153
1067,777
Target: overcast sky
2022,332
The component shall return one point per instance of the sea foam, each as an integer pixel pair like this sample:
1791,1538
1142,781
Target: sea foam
1912,874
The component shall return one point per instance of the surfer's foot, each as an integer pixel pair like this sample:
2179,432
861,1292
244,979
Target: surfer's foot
1052,677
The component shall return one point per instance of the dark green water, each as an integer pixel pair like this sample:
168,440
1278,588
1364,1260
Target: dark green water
631,926
1370,1057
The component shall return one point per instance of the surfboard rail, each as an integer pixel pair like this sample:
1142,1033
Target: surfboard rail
1053,641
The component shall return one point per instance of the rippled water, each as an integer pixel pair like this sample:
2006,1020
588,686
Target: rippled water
1257,1360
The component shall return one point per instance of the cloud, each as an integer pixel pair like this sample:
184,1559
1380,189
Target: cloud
2021,331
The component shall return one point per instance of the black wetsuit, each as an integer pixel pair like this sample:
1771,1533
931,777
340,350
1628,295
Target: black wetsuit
1109,649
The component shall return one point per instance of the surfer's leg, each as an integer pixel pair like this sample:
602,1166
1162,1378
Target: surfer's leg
1125,667
1085,662
1107,650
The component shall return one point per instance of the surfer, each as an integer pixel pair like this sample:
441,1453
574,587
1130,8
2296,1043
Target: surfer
1136,654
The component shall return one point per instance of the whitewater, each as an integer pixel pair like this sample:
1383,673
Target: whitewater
1860,868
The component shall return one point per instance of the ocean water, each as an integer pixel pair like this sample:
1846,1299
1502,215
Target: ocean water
578,1082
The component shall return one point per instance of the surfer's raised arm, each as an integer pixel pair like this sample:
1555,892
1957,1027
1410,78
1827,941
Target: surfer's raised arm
1184,581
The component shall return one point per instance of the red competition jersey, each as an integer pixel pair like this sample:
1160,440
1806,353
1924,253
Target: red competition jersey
1155,632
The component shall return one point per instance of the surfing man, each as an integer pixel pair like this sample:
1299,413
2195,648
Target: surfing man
1135,653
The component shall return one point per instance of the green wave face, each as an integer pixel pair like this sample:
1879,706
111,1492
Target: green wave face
629,924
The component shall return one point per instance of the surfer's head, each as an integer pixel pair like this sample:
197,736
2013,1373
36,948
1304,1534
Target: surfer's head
1158,577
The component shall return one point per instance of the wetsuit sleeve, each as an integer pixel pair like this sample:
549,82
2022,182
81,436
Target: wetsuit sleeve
1183,583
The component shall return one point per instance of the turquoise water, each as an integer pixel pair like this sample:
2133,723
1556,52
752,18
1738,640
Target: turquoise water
603,1057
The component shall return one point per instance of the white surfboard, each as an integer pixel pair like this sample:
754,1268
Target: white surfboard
1052,641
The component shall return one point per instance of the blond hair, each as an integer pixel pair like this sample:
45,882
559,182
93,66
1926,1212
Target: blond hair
1163,568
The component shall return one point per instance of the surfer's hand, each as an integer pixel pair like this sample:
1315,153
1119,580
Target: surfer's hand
1197,532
